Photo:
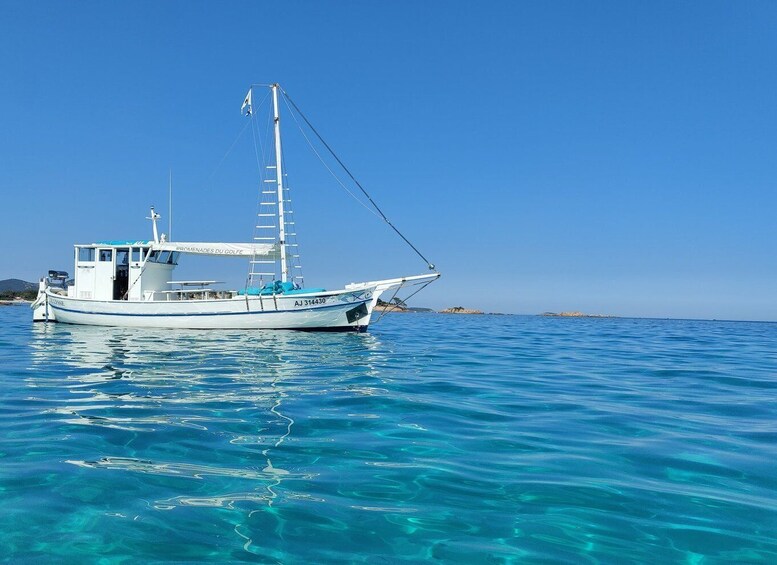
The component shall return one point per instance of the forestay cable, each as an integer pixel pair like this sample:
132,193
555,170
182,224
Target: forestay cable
377,208
324,163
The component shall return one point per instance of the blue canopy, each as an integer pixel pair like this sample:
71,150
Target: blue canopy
278,287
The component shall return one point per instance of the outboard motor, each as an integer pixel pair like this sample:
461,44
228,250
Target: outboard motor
58,279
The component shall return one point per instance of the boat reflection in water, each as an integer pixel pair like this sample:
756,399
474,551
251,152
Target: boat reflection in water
186,404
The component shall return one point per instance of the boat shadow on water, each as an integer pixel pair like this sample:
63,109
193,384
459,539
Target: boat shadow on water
164,399
264,352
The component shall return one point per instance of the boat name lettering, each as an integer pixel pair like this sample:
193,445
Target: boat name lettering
56,301
310,302
208,250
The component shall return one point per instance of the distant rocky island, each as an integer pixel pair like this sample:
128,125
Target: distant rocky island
397,305
460,310
574,315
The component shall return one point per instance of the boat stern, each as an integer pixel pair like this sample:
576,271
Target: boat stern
40,307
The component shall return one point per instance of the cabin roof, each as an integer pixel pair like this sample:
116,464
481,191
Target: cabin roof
220,249
117,243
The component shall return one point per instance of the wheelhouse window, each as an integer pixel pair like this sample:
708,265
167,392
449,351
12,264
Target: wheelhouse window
137,254
163,257
85,255
106,255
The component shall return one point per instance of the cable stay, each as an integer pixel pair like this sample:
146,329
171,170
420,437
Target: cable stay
353,178
231,147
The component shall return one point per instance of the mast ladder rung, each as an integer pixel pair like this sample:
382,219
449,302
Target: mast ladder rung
265,227
263,274
293,234
299,277
266,215
264,238
270,180
295,256
268,203
268,192
262,262
269,167
297,266
286,223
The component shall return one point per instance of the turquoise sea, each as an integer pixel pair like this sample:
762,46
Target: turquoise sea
452,439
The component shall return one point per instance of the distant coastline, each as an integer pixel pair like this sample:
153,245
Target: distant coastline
17,291
574,315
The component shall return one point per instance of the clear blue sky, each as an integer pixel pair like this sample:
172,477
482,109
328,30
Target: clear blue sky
611,157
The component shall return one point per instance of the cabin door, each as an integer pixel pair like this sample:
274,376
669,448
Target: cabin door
121,280
103,275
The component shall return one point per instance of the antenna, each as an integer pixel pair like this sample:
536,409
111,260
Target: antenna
170,207
154,217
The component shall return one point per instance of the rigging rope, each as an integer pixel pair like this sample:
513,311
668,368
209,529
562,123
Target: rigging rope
394,306
331,151
231,147
326,165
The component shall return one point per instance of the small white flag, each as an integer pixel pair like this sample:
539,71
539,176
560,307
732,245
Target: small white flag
246,103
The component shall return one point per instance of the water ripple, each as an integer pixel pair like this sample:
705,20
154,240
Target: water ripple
461,439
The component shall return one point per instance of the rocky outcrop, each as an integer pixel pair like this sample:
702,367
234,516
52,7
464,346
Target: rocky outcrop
573,315
394,306
460,310
389,308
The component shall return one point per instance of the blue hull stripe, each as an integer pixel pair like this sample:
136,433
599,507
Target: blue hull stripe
345,305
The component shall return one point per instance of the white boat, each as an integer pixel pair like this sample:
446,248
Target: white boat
131,283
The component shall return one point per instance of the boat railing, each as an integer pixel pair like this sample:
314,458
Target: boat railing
187,294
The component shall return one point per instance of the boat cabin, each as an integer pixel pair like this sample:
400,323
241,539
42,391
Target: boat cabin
142,270
122,270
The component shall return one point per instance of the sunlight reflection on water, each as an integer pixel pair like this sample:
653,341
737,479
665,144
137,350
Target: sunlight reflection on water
468,439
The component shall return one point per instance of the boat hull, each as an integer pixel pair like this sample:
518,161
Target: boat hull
340,311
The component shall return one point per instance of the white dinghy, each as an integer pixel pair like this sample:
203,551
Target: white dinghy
131,283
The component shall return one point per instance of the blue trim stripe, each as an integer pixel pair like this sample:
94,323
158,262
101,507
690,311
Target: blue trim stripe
344,305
